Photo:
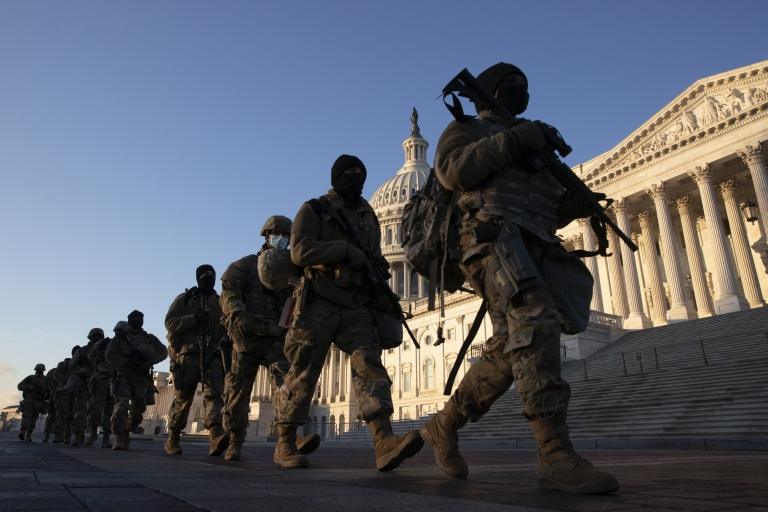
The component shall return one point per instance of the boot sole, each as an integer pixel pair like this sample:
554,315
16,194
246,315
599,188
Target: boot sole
300,463
409,448
545,484
310,446
219,447
424,431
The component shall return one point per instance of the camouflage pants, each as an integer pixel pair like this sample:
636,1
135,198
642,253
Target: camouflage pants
267,352
129,390
186,376
63,421
100,404
79,404
30,411
50,418
320,324
525,346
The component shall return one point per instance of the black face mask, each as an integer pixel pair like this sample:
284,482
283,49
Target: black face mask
513,96
136,322
349,186
206,281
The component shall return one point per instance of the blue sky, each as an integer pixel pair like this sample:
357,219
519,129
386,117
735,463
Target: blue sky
141,139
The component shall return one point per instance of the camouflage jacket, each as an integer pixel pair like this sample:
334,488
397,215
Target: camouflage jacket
34,387
480,159
80,366
242,291
61,374
184,334
98,359
135,351
320,245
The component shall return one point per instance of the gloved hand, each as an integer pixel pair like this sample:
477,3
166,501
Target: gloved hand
575,206
530,137
245,325
201,318
356,257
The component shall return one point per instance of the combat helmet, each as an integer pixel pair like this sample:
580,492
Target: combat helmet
95,334
276,270
276,224
40,366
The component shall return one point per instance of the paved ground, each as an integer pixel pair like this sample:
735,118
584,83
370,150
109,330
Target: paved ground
56,477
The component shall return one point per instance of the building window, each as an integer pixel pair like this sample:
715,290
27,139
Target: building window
451,334
449,360
407,379
429,374
391,373
389,236
414,283
406,344
428,339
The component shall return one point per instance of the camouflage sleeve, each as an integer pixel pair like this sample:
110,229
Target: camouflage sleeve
114,356
177,320
463,161
233,283
306,249
159,352
23,384
94,355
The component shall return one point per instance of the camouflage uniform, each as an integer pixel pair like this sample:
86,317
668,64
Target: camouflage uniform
63,404
50,417
184,338
34,392
132,353
80,371
534,290
100,403
252,314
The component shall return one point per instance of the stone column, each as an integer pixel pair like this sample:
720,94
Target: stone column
616,279
407,280
741,249
590,244
727,299
695,261
754,157
636,318
678,309
648,251
343,378
334,367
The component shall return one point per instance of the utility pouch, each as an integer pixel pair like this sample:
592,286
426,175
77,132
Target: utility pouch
516,270
389,328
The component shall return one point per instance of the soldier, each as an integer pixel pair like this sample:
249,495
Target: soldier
100,403
34,393
80,371
63,401
50,404
252,312
512,258
132,353
333,306
195,341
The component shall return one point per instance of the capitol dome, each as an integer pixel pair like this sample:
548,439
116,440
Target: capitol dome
389,201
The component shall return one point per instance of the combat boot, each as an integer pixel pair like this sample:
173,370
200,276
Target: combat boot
46,437
218,441
120,441
22,434
28,437
392,450
287,455
105,441
440,433
92,437
78,438
235,447
172,446
307,444
560,467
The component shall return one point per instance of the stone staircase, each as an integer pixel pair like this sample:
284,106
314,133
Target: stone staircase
703,378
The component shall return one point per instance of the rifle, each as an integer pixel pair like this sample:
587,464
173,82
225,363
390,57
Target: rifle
377,274
465,84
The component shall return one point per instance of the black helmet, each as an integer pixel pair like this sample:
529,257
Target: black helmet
95,334
40,367
276,224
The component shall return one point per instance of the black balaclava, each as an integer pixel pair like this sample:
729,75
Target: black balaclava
75,349
136,319
508,84
347,183
206,278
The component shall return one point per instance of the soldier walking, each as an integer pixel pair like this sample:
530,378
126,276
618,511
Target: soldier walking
334,307
534,289
34,393
80,371
50,404
132,353
196,339
100,403
252,314
63,399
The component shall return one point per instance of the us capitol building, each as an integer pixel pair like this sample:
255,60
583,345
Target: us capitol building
690,187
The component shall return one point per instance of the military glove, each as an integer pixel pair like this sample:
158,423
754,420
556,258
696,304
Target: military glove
576,206
245,325
530,137
201,318
356,257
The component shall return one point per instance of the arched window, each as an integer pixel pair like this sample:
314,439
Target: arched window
429,374
428,339
406,380
391,373
414,283
389,236
400,229
342,425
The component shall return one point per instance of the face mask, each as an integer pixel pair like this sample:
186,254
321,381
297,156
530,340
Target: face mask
513,96
206,280
278,241
350,185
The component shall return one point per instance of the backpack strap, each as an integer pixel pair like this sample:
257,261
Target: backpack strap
478,321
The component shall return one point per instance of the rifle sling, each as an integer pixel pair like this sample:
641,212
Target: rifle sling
465,346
